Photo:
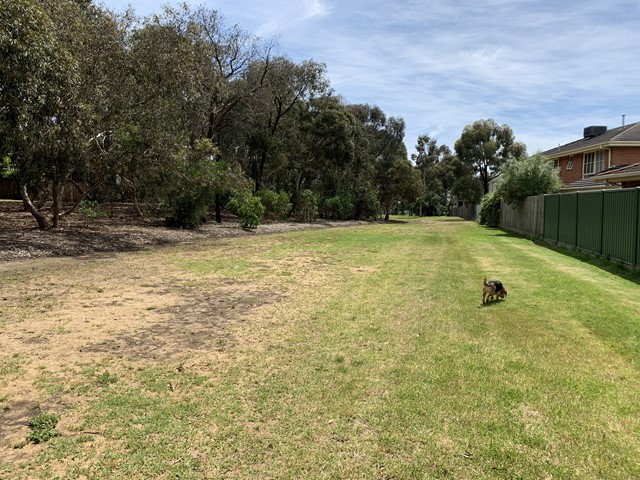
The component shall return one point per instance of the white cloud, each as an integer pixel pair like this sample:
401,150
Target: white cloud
544,67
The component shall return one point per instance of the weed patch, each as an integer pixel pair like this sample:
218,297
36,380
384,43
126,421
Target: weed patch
43,427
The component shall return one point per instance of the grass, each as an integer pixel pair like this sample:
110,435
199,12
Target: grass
376,361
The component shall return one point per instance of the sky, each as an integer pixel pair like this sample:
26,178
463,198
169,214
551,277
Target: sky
545,68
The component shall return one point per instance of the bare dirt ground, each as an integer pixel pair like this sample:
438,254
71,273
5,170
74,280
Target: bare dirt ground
120,230
68,312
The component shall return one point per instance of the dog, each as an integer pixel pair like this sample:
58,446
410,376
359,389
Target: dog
492,289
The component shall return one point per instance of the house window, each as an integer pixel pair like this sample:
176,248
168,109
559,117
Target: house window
593,163
570,163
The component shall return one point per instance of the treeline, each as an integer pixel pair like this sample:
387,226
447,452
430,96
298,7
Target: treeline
183,113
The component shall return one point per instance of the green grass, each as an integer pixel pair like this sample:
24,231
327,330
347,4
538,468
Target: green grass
378,362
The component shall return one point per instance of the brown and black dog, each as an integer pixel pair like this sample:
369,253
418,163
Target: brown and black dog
492,289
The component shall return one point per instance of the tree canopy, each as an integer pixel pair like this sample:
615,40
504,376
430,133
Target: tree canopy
180,113
485,146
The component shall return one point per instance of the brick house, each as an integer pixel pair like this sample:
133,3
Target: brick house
601,159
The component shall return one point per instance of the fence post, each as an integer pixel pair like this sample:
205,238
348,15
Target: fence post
558,221
636,260
602,194
575,237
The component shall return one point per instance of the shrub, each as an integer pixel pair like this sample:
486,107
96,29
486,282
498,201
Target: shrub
188,211
91,209
527,177
366,203
306,206
248,208
490,210
340,207
276,205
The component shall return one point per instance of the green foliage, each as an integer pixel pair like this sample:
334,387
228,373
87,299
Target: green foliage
276,205
340,207
433,204
490,210
468,189
43,427
248,208
197,178
306,206
485,146
7,169
398,181
527,177
189,211
91,209
121,104
366,202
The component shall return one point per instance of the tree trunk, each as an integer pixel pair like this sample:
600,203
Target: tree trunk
43,224
55,207
218,208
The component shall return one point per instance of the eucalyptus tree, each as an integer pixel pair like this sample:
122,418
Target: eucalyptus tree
485,146
50,92
327,153
432,160
264,117
400,183
158,128
222,57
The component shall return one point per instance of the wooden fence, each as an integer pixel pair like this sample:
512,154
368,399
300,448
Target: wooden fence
527,219
468,212
10,190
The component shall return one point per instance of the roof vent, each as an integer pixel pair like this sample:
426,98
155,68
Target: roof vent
594,131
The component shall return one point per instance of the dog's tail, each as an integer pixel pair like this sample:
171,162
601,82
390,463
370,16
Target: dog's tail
484,282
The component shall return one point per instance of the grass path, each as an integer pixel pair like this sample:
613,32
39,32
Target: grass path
370,359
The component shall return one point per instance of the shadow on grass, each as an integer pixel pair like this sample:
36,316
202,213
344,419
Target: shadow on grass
611,266
491,303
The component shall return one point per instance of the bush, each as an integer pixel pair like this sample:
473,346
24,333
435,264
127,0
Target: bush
306,206
527,177
366,203
248,208
276,205
340,207
91,209
188,211
490,210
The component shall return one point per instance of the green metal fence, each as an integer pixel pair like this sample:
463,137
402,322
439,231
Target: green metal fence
605,223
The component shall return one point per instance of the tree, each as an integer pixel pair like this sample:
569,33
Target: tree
263,116
39,121
525,177
485,146
217,60
433,163
467,189
399,183
61,69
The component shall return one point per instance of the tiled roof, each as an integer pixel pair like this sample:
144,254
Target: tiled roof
628,133
583,184
632,170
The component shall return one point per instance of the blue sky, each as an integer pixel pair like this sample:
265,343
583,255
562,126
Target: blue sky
546,68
